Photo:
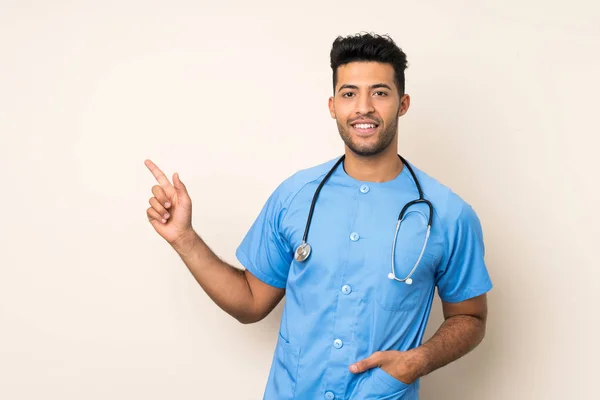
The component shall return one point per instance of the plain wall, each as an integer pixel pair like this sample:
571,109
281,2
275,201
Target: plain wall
95,305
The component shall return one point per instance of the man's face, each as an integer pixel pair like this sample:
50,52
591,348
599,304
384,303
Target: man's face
366,106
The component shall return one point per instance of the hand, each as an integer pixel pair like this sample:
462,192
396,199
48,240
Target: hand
171,207
405,366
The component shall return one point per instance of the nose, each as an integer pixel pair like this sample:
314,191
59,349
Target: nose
364,105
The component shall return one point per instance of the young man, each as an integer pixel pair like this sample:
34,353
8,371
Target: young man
359,286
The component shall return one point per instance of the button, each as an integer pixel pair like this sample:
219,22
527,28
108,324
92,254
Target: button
346,289
354,236
364,188
337,343
329,395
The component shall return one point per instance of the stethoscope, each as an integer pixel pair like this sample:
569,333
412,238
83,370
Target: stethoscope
304,249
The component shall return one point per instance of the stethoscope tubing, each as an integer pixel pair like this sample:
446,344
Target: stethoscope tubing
304,249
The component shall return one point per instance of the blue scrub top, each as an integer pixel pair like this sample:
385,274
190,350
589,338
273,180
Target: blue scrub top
340,305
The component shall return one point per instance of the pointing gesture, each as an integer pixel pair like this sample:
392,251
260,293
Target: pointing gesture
171,207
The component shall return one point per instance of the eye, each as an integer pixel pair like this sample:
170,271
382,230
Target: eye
347,94
381,93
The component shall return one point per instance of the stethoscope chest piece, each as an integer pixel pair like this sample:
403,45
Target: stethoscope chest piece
302,252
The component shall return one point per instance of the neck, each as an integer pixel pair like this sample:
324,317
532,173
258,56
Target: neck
382,167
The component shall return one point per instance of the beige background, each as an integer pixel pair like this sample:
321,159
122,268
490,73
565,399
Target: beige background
94,305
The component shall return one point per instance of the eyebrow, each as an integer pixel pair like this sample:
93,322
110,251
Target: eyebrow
375,86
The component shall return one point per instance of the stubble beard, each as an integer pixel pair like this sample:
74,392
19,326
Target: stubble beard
384,138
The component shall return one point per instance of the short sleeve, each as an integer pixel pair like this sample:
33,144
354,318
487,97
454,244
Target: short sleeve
464,274
263,251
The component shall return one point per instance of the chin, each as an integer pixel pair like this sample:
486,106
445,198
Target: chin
365,151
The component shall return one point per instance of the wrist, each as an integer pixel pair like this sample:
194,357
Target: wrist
185,243
418,360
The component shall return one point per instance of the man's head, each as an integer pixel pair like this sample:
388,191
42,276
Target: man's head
368,91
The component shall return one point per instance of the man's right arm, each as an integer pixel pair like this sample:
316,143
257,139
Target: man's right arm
236,291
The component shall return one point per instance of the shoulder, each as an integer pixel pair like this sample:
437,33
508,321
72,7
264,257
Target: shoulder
455,218
294,183
449,206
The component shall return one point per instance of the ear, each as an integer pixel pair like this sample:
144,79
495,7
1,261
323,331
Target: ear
404,105
331,108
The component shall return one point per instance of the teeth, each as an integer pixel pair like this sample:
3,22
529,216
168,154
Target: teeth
364,126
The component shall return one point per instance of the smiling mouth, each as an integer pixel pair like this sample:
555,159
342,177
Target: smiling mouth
365,128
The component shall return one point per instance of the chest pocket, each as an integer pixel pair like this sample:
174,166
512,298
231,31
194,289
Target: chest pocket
393,295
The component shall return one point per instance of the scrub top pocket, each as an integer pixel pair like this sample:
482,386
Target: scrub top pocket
392,295
282,385
381,386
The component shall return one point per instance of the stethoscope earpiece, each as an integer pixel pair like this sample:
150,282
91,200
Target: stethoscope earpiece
408,281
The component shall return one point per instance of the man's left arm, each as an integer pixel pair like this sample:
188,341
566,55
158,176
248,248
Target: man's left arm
462,330
462,280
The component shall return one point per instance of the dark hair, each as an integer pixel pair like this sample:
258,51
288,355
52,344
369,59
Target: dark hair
368,47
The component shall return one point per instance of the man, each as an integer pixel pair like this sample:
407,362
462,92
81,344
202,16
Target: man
356,307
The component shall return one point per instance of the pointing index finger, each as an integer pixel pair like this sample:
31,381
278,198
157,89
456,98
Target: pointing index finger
158,174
